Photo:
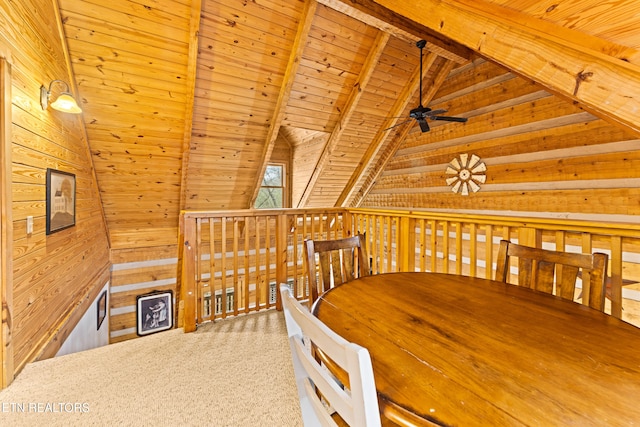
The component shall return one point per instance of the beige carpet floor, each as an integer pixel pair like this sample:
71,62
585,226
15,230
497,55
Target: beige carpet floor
233,372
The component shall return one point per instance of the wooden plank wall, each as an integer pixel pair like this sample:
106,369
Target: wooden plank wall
306,149
133,74
137,272
57,276
6,224
543,154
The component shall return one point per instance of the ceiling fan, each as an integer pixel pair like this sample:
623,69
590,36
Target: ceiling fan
422,113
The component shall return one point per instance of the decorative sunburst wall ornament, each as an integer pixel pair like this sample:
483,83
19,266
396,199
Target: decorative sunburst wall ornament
468,173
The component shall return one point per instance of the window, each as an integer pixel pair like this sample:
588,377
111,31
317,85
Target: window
271,194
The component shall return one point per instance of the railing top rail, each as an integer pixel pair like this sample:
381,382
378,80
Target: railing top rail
625,229
257,212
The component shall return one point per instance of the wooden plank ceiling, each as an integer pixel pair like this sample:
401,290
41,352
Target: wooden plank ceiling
185,100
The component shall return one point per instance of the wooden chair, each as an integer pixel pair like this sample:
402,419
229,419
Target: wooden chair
324,400
336,263
540,269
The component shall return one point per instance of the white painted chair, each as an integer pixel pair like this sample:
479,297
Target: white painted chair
322,396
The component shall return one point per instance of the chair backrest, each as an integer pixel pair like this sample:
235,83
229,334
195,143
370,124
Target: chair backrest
340,261
321,394
541,269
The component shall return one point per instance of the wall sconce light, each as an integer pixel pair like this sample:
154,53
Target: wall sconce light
65,101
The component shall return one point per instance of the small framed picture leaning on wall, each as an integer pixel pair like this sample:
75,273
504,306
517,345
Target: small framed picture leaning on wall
154,312
61,200
102,308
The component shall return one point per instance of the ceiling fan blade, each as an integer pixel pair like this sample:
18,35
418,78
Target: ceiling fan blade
398,124
424,126
449,119
435,112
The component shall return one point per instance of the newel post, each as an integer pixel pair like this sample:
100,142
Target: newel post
281,255
529,236
616,276
347,224
187,305
407,244
6,226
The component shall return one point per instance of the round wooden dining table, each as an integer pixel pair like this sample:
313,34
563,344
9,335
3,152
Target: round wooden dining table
457,350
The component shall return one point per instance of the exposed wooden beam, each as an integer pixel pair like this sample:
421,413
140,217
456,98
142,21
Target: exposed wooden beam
400,27
397,109
304,26
602,76
350,107
190,86
437,80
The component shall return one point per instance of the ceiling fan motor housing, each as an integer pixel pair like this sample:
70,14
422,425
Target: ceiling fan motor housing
420,112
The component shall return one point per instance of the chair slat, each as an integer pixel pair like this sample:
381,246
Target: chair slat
336,270
347,265
544,276
525,270
566,285
325,270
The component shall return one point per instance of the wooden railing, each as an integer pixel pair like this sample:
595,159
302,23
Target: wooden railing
232,261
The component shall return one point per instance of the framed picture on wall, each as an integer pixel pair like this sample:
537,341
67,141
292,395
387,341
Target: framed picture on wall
154,312
101,308
61,200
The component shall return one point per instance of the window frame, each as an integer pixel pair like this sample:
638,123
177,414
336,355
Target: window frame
284,185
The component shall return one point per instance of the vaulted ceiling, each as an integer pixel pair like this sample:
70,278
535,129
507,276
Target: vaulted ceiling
185,100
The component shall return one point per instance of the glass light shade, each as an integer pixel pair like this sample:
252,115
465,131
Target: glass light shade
66,103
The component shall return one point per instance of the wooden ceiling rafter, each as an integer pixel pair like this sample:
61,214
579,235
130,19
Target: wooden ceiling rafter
349,109
432,88
580,67
398,108
381,18
304,26
190,85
